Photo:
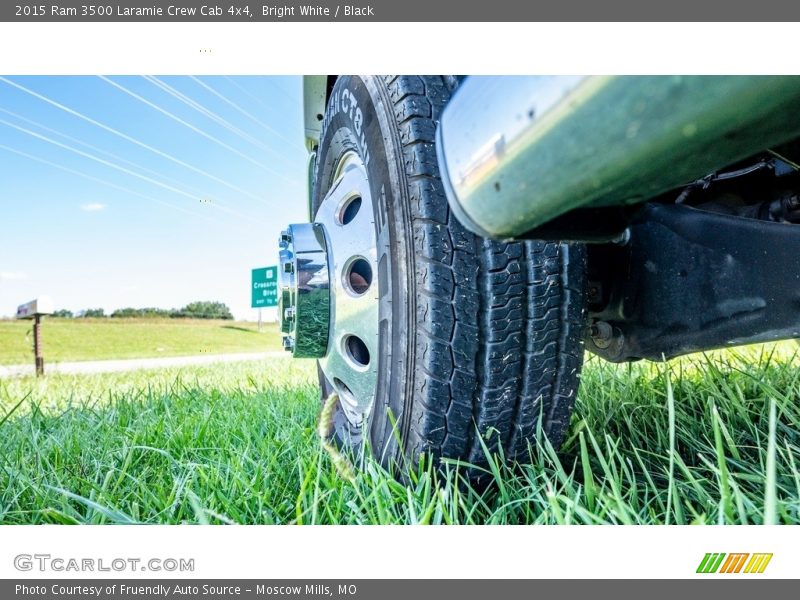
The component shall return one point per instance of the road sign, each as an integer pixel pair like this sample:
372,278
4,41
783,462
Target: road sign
264,287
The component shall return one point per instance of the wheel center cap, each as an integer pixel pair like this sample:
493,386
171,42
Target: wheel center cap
304,302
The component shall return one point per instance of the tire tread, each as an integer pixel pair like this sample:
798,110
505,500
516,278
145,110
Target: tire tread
499,324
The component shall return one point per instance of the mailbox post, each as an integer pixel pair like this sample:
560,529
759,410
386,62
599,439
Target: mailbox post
38,359
36,309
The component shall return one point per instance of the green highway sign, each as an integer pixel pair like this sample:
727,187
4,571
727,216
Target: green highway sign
264,287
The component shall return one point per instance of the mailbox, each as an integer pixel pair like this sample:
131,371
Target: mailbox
43,305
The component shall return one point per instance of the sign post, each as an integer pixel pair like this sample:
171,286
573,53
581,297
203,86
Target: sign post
36,309
264,289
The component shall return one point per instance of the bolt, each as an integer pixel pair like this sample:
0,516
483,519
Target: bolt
602,334
288,343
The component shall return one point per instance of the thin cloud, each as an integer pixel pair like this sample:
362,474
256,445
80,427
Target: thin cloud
93,207
12,275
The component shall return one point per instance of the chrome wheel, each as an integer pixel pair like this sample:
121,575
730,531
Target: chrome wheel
330,312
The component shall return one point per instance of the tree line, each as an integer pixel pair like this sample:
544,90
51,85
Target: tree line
193,310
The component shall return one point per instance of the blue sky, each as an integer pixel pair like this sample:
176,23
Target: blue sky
153,209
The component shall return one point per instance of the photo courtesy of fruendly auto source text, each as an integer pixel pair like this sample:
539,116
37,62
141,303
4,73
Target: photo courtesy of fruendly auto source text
547,275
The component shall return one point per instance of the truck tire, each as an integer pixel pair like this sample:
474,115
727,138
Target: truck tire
478,341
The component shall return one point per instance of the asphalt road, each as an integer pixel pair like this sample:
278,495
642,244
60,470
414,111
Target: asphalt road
135,364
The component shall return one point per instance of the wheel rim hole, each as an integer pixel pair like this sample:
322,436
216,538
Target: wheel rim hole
344,391
357,350
350,210
358,276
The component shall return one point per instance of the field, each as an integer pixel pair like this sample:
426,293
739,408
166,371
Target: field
103,339
708,439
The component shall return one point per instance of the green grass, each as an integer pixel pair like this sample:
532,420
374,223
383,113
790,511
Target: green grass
103,339
706,439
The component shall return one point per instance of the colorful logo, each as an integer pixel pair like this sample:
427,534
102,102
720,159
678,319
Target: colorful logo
719,562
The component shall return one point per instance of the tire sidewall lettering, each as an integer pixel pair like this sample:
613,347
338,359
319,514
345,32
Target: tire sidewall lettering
344,102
